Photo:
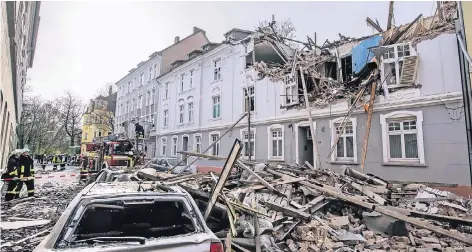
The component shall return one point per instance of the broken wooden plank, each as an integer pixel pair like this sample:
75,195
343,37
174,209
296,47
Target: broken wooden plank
282,182
309,165
257,237
368,193
316,153
312,203
295,204
247,209
259,178
369,122
288,210
239,247
232,157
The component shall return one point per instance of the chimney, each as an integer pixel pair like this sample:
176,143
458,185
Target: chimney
195,29
176,40
110,90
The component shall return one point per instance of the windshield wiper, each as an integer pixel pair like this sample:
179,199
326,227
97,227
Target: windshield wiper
141,240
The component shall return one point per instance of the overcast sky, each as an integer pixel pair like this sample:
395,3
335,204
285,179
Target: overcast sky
84,45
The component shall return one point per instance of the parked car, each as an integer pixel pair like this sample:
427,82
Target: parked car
110,175
127,216
163,164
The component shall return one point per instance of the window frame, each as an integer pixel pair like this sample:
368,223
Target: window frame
399,115
195,143
217,69
217,145
182,83
192,83
213,104
334,157
190,111
165,120
270,139
290,82
395,59
242,135
150,74
163,146
173,151
248,95
181,107
141,79
166,90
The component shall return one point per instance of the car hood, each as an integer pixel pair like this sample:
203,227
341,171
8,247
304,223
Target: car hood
191,242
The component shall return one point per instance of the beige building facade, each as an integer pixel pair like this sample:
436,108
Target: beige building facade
19,22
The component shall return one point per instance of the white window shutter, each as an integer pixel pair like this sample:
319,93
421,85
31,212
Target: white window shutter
408,75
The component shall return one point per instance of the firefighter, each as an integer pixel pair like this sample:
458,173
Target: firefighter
26,172
12,173
55,161
83,169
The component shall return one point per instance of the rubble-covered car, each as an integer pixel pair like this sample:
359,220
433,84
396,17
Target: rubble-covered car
111,175
126,216
163,164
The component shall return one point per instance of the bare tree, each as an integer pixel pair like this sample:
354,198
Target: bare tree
284,29
105,90
71,110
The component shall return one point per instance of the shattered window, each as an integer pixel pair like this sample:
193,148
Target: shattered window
393,63
390,54
248,144
181,113
291,90
159,218
345,145
217,69
403,139
390,73
277,143
403,50
249,98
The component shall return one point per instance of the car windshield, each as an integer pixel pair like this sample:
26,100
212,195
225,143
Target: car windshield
148,219
172,162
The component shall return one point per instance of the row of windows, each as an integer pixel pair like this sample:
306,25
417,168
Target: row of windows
137,103
401,137
134,83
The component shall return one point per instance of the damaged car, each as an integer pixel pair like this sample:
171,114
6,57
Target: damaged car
131,215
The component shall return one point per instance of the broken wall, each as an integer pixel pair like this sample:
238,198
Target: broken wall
438,68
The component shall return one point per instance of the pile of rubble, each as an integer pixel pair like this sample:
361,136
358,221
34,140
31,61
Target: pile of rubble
264,207
26,221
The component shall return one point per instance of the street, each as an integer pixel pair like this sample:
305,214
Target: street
53,192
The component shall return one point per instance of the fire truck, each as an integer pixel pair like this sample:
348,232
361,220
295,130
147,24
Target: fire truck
109,152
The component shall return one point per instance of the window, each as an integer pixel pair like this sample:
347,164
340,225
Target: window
150,74
129,86
174,146
140,101
166,117
86,136
346,148
153,99
152,121
399,60
141,79
134,82
248,141
291,90
163,146
215,149
217,69
182,82
402,137
181,111
148,98
191,79
155,70
276,142
166,90
345,144
248,98
127,106
198,143
190,112
216,106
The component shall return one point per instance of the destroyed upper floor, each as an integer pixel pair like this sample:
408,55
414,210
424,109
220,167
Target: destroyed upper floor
421,54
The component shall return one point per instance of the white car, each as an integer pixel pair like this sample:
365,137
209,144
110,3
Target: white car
129,216
163,164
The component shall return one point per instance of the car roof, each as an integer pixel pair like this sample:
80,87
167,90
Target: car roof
128,187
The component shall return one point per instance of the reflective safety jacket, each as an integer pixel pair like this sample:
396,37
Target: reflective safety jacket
13,166
26,165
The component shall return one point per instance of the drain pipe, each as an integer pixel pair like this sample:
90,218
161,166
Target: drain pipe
464,61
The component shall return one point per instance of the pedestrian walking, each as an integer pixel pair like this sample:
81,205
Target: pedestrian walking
12,173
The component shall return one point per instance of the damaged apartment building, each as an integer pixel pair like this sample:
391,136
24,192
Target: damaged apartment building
416,131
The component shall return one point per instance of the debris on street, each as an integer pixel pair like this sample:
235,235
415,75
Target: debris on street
26,221
321,210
